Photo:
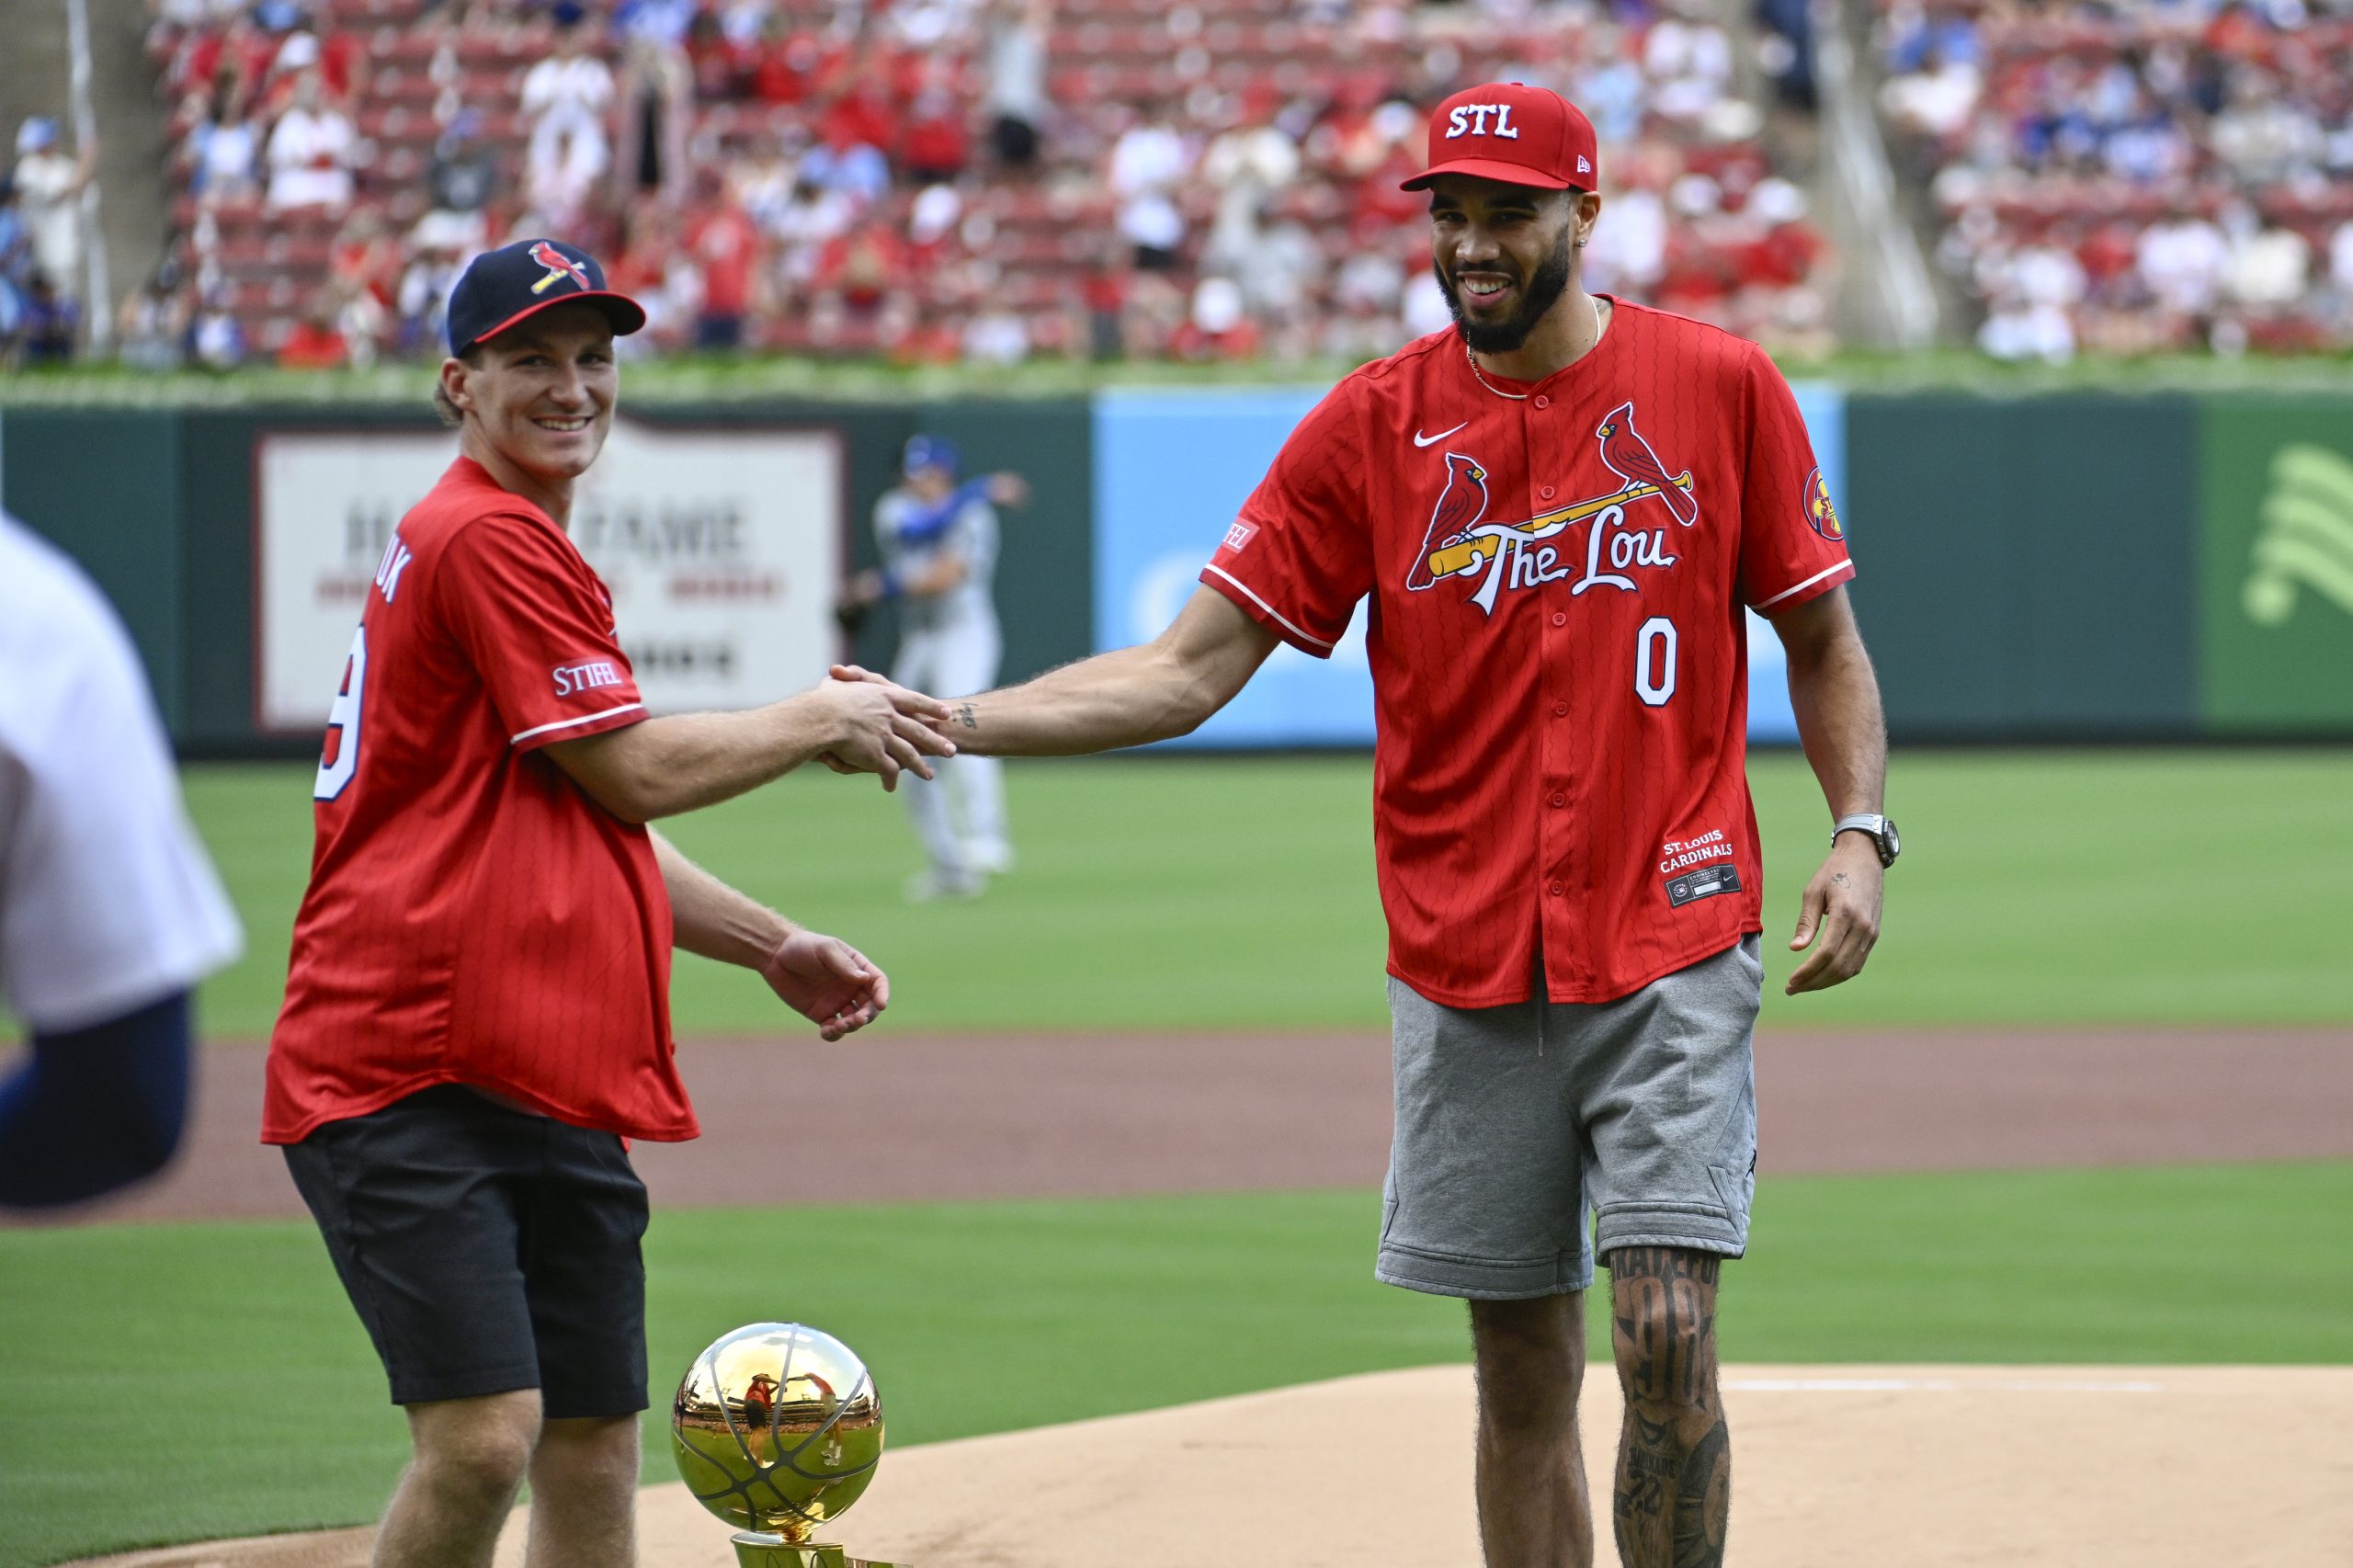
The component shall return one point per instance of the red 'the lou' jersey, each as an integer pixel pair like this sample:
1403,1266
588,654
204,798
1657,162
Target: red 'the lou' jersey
1556,637
472,917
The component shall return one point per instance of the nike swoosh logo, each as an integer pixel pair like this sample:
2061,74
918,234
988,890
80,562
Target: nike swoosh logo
1422,440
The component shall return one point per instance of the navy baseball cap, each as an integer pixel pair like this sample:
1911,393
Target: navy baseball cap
515,282
930,451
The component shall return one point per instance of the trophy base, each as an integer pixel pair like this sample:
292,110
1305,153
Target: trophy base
757,1550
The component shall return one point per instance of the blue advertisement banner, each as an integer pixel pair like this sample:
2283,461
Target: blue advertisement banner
1171,470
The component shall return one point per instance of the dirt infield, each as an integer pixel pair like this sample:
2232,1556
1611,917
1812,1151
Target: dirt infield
917,1117
1858,1467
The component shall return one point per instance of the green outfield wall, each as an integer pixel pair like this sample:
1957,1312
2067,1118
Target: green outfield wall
2082,566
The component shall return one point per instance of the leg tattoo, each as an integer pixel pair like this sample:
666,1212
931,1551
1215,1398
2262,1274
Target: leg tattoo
1674,1491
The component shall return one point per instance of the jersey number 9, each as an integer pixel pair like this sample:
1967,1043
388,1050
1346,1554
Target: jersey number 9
340,759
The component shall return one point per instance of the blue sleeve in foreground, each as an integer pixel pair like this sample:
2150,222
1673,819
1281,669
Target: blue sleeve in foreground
96,1108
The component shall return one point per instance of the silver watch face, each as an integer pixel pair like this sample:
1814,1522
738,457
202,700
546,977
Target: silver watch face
1890,846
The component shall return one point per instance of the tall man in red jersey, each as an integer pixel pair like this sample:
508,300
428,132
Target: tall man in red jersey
478,1011
1559,509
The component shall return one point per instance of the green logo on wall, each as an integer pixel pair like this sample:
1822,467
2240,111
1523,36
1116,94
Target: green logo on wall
2307,537
2276,565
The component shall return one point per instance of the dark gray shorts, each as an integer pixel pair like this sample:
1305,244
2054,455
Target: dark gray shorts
1517,1127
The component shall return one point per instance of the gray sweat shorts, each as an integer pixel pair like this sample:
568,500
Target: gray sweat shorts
1517,1127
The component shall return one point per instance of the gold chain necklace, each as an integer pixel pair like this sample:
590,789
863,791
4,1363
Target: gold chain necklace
1472,359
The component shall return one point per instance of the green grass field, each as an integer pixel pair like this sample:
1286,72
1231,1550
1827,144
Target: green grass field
175,1382
2037,887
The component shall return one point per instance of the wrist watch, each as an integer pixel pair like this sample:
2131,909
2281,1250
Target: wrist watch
1883,832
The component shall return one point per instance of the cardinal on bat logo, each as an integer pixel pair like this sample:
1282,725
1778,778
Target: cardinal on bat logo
1459,542
1818,509
558,266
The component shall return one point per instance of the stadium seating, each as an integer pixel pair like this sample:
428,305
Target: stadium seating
1281,232
2134,178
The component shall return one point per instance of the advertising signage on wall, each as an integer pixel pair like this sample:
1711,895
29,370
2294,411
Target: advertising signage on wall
721,549
1172,468
2276,566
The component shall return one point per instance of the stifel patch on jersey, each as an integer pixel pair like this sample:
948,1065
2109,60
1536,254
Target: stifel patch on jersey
572,679
1239,535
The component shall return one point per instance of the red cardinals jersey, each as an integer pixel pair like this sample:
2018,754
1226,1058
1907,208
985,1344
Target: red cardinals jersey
1558,648
473,917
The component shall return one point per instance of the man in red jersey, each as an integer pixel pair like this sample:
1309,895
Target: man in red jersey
477,1012
1559,508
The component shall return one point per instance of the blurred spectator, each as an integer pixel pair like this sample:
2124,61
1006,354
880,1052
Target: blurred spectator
363,279
464,175
1246,165
2019,329
566,98
1689,60
725,246
316,343
812,219
996,336
150,332
656,94
15,270
846,164
1015,99
223,152
50,324
216,341
2270,268
2183,260
1218,326
1935,101
422,299
935,147
310,152
1148,164
49,186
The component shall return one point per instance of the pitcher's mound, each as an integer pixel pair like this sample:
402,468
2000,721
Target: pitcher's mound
1926,1466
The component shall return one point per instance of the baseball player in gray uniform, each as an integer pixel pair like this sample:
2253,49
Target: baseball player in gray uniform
938,543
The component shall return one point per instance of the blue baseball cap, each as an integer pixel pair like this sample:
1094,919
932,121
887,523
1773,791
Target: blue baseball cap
515,282
930,451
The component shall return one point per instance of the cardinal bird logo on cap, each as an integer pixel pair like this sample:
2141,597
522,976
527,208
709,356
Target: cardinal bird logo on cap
558,266
1459,506
1628,456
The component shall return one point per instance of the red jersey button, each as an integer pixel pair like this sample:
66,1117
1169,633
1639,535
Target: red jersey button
1559,710
1560,618
1545,494
1543,402
1560,799
1557,890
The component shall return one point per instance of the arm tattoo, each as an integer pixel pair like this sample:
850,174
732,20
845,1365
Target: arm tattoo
1674,1490
1841,878
966,717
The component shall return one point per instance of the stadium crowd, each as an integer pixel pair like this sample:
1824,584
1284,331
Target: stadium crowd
926,180
2134,175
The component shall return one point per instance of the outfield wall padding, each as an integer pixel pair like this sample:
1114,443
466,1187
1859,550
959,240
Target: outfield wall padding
2060,568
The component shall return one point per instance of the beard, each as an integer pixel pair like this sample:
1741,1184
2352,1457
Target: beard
1537,295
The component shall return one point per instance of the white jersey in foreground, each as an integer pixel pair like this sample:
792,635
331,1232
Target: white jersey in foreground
106,900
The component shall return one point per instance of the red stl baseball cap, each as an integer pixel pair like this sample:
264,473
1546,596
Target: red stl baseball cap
1513,132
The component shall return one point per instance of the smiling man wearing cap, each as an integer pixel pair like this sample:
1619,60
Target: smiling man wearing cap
1560,509
477,1009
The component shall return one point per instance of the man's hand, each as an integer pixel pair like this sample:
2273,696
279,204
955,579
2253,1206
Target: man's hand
827,982
1008,489
939,716
873,726
1841,908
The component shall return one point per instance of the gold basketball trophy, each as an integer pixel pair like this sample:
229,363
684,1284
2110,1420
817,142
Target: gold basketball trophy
777,1429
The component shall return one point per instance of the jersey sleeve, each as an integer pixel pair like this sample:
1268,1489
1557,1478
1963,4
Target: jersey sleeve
1792,546
1298,556
108,901
536,625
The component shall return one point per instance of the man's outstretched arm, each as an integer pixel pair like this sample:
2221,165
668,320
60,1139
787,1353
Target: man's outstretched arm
1128,698
822,978
1845,735
685,761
